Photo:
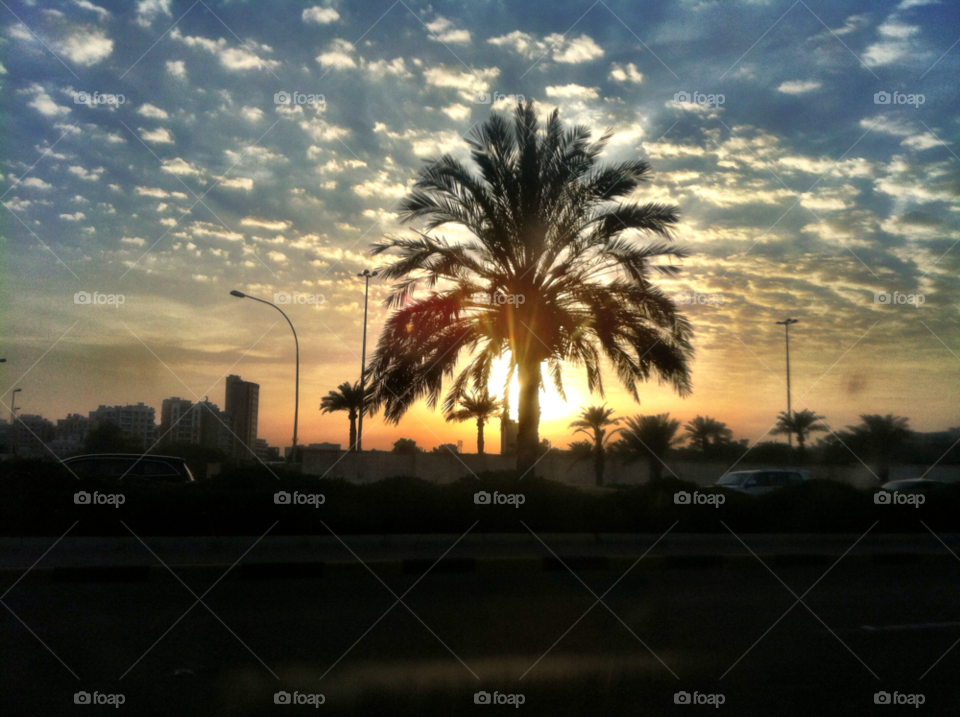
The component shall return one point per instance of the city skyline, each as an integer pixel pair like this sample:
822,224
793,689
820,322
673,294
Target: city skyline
821,187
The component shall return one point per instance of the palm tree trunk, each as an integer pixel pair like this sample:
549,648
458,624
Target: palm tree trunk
353,434
528,415
480,436
599,465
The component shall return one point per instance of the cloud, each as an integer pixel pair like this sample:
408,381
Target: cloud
243,183
442,30
799,87
625,73
468,83
252,114
561,49
181,167
457,112
158,136
337,55
894,45
319,15
232,58
85,45
177,68
380,187
102,13
148,110
85,175
35,183
150,10
43,103
271,225
575,91
382,68
73,217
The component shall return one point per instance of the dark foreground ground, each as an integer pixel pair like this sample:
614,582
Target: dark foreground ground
727,631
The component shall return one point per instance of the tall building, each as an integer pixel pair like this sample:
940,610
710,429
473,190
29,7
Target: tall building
178,423
136,421
71,433
243,403
31,435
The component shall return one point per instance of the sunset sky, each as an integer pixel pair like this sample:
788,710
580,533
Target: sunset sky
800,194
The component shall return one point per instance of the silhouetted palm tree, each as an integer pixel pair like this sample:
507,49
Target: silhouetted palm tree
800,424
594,422
479,405
554,271
705,432
347,398
880,437
650,437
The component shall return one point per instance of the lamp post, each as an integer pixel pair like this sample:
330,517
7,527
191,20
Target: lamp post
786,329
367,275
296,399
13,421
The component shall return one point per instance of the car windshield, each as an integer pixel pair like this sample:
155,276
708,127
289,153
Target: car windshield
734,479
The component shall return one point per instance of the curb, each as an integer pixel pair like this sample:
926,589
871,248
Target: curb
457,566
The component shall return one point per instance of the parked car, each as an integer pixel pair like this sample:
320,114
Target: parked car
167,469
912,485
759,482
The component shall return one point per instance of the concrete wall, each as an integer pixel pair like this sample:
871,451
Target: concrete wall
439,468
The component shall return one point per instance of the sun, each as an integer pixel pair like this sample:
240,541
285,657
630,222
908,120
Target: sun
552,406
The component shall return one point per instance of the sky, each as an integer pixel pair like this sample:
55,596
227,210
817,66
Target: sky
158,154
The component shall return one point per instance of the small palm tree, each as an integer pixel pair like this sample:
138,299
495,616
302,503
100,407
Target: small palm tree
555,271
706,432
479,405
650,437
880,437
347,398
800,424
594,422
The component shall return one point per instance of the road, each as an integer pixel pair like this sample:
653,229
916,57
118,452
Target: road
540,635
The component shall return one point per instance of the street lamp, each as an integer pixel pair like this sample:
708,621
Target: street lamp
296,400
14,430
786,328
367,275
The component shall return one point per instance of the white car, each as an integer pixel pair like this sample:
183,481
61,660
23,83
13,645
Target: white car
760,482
